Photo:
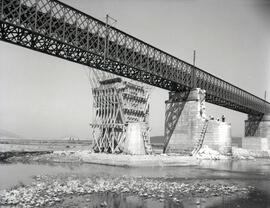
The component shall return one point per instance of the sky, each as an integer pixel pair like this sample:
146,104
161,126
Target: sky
46,97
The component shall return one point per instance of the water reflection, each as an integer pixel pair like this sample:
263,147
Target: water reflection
255,199
258,170
251,166
113,200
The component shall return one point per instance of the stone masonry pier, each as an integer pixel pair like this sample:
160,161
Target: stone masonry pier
187,126
257,133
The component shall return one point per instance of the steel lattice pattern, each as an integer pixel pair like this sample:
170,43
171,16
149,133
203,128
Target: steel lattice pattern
54,28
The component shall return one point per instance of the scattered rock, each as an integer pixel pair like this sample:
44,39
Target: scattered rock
50,190
209,154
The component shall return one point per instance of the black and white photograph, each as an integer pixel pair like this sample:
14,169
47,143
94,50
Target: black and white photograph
135,103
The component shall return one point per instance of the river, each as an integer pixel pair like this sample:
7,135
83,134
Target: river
248,172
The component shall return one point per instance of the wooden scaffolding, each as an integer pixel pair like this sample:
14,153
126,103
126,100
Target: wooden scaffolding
117,103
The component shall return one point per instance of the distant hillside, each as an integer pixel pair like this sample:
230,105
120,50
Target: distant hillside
157,139
8,134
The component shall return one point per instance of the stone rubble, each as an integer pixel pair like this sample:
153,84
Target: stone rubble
207,153
245,154
49,190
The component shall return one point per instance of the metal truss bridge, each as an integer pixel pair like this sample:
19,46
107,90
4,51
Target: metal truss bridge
54,28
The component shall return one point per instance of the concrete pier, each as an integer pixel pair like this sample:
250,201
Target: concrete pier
134,143
257,133
186,119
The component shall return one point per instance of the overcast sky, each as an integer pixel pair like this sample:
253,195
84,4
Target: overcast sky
43,96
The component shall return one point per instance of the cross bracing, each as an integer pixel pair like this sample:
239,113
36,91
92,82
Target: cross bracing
117,103
57,29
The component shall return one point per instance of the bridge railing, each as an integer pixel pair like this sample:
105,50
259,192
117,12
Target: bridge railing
63,23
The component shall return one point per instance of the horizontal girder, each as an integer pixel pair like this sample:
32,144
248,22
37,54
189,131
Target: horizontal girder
54,28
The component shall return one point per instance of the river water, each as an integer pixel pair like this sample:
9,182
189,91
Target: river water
249,173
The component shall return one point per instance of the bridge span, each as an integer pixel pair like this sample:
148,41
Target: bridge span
54,28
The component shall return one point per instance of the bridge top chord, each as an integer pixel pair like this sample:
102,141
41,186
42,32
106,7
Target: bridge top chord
54,28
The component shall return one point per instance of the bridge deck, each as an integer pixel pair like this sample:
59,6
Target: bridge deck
57,29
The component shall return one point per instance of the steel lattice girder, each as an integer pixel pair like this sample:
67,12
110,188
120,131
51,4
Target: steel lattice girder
54,28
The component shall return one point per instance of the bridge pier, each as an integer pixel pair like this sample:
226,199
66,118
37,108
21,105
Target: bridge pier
187,126
120,124
257,132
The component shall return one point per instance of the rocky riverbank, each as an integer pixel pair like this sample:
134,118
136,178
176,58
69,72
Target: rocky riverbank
206,153
54,191
240,153
53,157
4,156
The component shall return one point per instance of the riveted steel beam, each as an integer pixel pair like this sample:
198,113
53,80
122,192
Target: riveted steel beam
57,29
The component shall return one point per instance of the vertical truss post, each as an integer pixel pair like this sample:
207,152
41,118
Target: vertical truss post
252,125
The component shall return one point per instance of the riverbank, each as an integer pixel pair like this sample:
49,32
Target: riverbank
54,191
124,160
4,156
109,159
205,185
72,152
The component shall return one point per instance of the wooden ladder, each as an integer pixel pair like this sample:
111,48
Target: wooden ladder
201,139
